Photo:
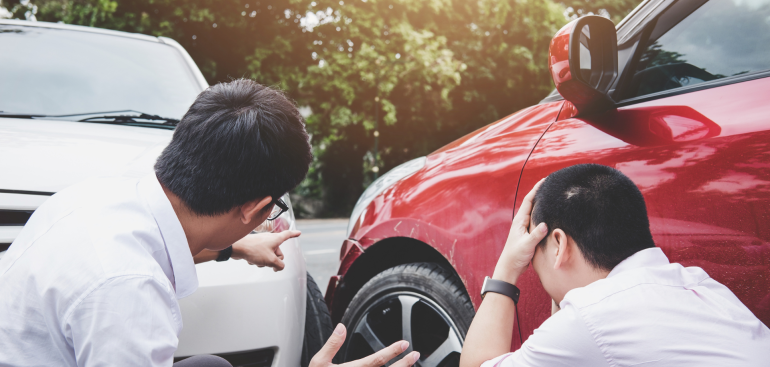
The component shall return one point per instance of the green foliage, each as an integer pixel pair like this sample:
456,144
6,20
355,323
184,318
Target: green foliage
420,73
616,10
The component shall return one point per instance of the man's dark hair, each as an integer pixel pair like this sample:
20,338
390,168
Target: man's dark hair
238,142
600,208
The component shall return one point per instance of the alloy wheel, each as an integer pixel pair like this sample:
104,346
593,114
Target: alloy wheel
407,316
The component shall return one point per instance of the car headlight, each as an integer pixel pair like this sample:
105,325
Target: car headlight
284,222
381,184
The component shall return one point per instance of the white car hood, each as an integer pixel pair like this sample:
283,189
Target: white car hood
49,155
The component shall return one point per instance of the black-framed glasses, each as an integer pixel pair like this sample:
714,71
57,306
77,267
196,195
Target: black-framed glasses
279,208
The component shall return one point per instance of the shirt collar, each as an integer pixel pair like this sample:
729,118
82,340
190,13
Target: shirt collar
185,277
645,258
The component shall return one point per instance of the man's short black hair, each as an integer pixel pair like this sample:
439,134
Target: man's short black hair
600,208
238,142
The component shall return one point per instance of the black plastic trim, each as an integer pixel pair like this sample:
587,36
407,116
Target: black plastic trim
252,358
4,246
697,87
628,69
25,192
10,217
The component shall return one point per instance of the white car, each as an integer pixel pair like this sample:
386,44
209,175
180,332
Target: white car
77,102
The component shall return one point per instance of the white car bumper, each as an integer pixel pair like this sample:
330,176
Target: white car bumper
239,308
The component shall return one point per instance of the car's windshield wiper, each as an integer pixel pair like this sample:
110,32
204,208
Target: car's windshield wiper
129,117
19,115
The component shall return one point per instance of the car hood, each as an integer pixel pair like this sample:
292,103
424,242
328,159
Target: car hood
49,155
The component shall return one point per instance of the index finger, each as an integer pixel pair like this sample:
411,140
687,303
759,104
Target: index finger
526,205
285,235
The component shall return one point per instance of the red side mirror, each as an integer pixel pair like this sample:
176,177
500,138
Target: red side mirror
583,59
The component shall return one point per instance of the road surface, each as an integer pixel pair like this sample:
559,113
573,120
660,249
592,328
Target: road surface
320,242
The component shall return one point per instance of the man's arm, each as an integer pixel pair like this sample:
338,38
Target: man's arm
205,255
130,320
260,249
490,333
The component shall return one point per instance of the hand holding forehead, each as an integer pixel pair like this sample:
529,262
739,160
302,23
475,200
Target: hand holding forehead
520,245
525,210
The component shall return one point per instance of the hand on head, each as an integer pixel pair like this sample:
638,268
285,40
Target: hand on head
262,249
324,356
520,246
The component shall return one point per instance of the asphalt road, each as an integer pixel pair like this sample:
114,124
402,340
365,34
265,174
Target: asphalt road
320,242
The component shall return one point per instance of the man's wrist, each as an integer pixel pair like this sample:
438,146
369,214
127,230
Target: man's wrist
237,250
205,255
506,273
501,287
510,280
225,254
504,278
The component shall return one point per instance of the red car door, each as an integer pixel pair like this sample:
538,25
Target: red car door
692,130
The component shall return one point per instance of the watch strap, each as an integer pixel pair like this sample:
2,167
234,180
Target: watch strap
225,254
501,287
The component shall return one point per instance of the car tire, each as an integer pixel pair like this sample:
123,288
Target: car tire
318,322
423,303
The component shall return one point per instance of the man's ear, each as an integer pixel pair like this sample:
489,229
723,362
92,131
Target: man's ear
562,248
250,210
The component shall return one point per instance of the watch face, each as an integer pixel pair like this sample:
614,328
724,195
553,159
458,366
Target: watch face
484,287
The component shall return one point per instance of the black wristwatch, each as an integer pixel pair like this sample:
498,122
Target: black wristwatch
225,254
499,286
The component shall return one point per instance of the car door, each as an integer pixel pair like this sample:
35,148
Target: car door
692,130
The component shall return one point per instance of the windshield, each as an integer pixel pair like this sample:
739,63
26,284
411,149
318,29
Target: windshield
58,72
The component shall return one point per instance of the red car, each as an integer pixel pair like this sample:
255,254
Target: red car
677,97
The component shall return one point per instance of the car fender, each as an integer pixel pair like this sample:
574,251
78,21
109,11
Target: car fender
461,202
239,307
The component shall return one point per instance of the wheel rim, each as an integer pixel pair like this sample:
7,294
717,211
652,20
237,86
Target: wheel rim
407,316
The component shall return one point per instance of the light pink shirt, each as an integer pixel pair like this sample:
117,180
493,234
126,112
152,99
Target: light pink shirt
647,312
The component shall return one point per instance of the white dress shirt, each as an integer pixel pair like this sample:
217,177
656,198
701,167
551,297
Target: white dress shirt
94,277
647,312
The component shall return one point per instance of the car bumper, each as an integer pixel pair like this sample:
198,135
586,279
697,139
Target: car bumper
240,308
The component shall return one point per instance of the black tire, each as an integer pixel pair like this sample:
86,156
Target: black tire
439,314
318,322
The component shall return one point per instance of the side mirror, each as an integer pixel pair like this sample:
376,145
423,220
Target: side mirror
583,60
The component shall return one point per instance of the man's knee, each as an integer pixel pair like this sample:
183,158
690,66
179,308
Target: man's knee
203,361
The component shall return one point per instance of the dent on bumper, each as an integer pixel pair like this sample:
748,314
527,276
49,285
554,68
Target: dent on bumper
239,307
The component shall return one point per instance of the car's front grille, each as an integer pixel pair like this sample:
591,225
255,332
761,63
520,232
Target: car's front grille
254,358
14,217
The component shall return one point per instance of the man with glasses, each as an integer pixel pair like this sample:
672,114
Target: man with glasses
259,249
94,277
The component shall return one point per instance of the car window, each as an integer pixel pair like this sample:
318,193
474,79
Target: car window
57,72
721,38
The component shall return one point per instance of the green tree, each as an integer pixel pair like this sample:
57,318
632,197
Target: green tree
616,10
427,71
423,72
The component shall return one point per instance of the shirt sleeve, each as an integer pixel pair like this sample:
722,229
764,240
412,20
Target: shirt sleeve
126,321
562,340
